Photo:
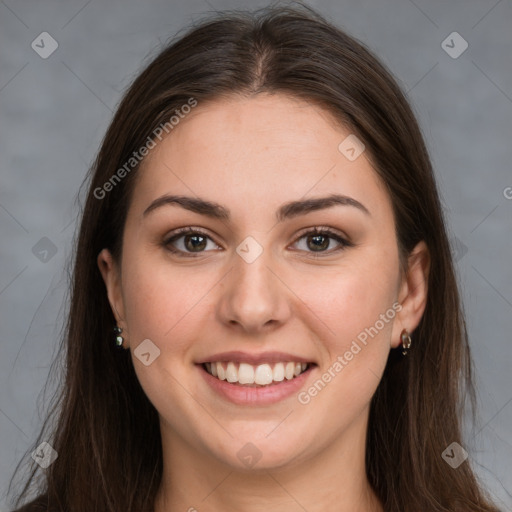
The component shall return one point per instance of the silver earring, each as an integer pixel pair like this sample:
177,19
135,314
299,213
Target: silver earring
119,338
406,341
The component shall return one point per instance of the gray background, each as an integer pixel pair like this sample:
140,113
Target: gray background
55,111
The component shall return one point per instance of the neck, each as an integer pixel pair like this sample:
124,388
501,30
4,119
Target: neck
334,480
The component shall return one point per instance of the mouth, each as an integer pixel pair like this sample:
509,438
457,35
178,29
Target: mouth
250,379
254,385
256,375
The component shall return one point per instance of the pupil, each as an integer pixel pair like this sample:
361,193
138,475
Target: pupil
194,245
317,237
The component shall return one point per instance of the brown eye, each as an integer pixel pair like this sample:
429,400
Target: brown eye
195,242
319,240
188,242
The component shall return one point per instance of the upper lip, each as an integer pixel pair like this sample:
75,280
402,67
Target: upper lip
246,357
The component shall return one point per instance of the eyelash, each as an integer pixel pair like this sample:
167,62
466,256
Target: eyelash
320,230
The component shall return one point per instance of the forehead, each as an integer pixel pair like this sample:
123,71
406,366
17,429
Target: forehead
256,152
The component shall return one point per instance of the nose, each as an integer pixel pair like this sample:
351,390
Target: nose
254,298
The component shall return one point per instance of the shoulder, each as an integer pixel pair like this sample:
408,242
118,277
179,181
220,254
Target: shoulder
39,504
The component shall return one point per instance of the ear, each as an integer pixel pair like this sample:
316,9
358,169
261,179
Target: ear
413,293
112,277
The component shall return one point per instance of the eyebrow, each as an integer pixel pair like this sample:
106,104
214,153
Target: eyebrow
286,211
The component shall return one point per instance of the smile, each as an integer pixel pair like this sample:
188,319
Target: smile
257,384
249,375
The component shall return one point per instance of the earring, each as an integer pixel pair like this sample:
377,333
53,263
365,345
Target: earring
119,338
406,341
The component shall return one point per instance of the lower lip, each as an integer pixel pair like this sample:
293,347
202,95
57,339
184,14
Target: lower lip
244,395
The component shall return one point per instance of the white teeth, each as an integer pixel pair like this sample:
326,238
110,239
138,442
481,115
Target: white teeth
231,373
262,374
245,374
289,370
279,372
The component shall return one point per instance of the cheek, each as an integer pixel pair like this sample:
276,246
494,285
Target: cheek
162,306
364,321
359,313
156,300
148,303
167,304
349,301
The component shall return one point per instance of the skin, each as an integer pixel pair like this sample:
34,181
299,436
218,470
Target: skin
252,155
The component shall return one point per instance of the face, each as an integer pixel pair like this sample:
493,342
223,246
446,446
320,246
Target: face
254,289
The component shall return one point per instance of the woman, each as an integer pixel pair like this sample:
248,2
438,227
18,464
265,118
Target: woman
264,309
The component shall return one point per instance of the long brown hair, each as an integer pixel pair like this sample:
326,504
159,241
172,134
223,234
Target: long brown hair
105,430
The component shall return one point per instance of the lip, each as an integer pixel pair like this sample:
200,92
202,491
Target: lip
265,395
246,357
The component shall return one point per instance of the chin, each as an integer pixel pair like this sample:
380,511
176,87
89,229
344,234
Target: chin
261,451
